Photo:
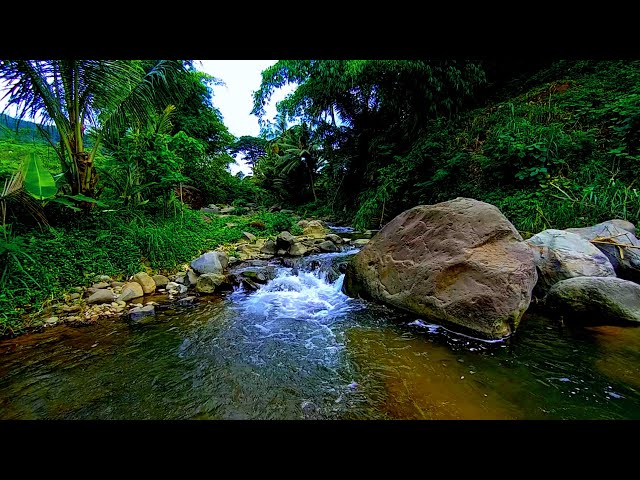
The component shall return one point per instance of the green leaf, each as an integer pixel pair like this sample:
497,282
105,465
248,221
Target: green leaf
38,181
83,198
67,203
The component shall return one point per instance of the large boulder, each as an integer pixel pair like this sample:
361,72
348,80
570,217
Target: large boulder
459,261
146,282
610,238
130,290
602,300
559,255
210,262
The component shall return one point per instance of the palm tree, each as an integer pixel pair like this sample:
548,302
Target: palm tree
96,98
296,149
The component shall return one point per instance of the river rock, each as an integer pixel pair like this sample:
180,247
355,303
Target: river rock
145,281
208,263
255,275
303,223
459,261
284,240
138,313
100,285
297,249
175,288
328,246
192,277
559,255
625,264
337,239
74,296
249,236
269,247
102,278
160,280
360,242
116,284
602,300
208,282
227,210
130,290
314,228
100,296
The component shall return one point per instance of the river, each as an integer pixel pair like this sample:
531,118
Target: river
298,348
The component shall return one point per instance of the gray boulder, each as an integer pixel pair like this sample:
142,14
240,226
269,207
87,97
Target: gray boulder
602,300
328,246
160,280
284,240
130,290
269,247
297,249
620,246
559,255
101,296
459,261
337,239
138,313
208,282
210,262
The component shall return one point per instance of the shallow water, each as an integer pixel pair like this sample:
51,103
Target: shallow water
298,348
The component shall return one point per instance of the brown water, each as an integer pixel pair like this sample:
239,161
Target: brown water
299,348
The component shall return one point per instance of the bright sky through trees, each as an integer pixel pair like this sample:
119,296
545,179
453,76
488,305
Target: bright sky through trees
235,100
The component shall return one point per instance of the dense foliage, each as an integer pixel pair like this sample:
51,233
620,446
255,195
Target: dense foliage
552,145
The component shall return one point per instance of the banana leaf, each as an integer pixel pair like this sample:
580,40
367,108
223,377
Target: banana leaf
38,181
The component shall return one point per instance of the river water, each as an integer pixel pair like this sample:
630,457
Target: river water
298,348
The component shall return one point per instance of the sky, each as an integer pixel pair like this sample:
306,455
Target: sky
235,100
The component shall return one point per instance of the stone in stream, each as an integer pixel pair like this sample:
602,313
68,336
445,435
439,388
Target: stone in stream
145,281
297,249
210,262
284,240
138,313
175,288
160,280
625,259
101,296
328,246
100,285
601,300
361,242
460,262
208,282
337,239
130,290
559,255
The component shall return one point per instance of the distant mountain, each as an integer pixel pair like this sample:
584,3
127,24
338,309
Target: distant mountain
26,131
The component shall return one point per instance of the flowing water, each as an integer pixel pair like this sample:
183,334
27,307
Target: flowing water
298,348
